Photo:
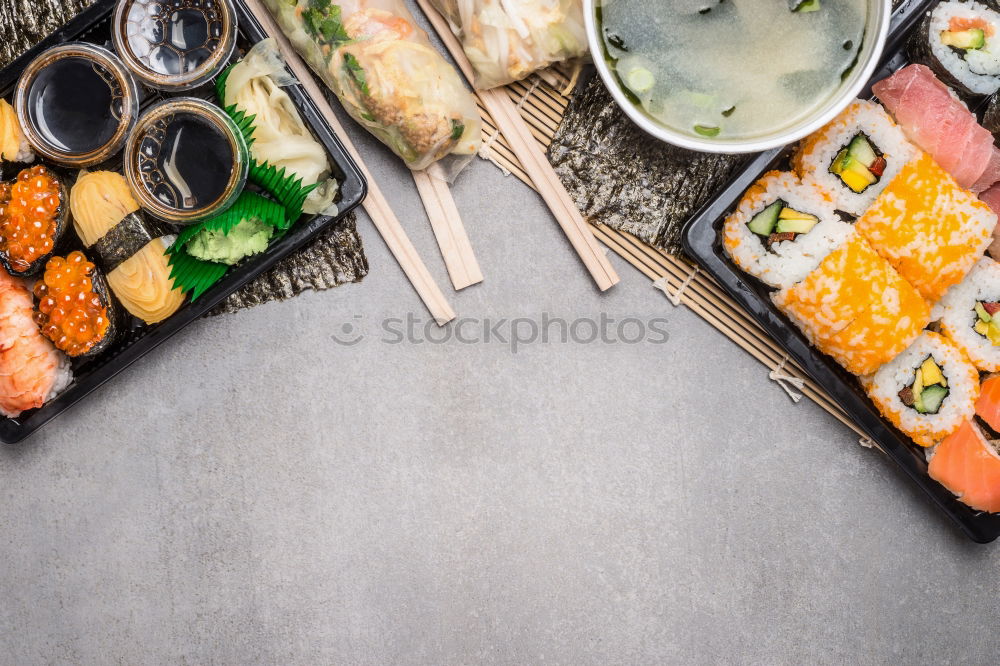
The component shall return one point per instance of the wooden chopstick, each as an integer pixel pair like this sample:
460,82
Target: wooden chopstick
524,145
375,203
459,259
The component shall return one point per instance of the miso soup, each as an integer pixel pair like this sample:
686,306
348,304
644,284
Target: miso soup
731,69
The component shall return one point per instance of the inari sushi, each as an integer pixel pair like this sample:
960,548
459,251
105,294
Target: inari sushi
968,464
32,371
929,229
970,315
132,251
73,306
855,156
959,41
928,390
856,308
782,229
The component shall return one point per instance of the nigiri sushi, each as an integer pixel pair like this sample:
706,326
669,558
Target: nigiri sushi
968,464
13,146
32,370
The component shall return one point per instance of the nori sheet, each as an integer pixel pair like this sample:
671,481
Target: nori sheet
620,176
331,259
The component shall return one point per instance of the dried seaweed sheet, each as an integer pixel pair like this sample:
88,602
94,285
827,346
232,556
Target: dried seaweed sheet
331,259
622,177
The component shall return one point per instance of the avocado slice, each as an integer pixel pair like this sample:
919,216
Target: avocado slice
861,150
839,162
795,226
984,316
792,214
931,373
969,40
931,399
918,389
763,222
804,6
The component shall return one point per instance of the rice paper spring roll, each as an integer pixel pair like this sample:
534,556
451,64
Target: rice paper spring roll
387,75
506,40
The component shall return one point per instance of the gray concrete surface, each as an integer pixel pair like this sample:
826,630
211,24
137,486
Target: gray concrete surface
257,493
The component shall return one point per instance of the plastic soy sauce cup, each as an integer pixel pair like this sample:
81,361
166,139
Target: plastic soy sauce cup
186,160
174,44
76,104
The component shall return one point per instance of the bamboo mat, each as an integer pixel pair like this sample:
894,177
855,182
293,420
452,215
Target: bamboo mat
542,104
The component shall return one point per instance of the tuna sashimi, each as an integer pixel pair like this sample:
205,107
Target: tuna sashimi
934,119
991,198
991,175
967,464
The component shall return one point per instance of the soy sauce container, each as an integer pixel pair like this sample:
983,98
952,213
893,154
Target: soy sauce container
174,45
186,160
76,104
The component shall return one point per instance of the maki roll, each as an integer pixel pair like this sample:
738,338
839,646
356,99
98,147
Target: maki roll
855,156
782,229
32,370
13,146
73,307
970,315
929,229
959,41
855,308
928,390
132,251
33,217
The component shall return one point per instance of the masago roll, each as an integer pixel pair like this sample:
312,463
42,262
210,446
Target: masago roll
782,229
929,229
855,307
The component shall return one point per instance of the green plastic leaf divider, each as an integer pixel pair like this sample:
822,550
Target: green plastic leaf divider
287,189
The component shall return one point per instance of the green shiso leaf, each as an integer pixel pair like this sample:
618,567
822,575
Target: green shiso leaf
357,73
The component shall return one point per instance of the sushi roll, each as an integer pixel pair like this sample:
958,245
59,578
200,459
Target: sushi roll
73,307
988,404
959,42
13,146
132,251
33,218
929,229
968,464
32,370
855,156
967,315
782,229
856,308
928,390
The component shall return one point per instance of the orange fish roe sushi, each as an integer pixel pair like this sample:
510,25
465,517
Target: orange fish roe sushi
30,218
967,464
70,310
856,308
928,390
929,229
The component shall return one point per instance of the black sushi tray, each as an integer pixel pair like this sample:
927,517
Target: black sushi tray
701,238
94,25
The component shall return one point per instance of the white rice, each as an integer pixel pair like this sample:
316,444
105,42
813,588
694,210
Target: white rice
787,262
963,385
867,118
979,70
958,315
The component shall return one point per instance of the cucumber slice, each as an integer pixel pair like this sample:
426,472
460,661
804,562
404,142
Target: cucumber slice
795,226
861,150
931,399
969,40
763,222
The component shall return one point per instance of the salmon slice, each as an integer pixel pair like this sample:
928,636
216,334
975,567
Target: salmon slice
988,405
967,464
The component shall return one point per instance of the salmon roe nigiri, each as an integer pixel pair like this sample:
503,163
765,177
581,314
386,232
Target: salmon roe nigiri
70,312
29,209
